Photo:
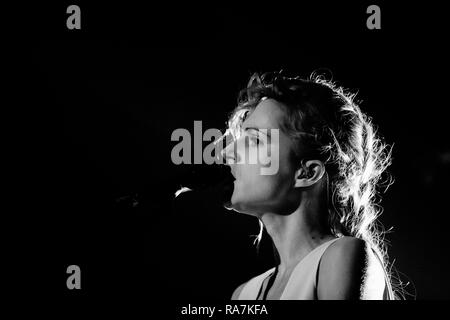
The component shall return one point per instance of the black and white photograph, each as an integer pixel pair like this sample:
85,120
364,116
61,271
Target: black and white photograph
220,160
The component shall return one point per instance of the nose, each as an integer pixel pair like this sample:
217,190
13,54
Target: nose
230,155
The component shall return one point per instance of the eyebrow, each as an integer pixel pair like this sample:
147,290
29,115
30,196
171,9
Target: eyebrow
259,130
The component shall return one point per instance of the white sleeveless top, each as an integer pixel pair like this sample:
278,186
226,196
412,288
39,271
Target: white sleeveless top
302,281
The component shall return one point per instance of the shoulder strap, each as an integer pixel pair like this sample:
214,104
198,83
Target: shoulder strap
252,287
303,280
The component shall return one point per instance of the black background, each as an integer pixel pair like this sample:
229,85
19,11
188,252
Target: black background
102,102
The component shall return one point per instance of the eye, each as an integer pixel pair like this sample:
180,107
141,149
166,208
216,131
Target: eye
245,115
255,140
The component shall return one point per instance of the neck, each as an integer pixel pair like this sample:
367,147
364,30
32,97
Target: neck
296,234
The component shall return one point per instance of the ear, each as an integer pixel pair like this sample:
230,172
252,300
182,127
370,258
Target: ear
309,173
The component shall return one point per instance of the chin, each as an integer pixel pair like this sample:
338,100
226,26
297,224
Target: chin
243,207
237,205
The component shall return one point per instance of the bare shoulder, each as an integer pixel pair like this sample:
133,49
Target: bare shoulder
347,252
237,291
342,269
347,247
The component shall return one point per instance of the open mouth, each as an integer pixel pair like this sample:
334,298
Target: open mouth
233,172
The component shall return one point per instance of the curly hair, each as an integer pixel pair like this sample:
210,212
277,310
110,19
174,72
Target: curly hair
327,121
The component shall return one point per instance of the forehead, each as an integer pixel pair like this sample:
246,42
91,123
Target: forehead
268,114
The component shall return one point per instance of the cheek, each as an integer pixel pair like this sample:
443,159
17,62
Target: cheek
254,191
252,187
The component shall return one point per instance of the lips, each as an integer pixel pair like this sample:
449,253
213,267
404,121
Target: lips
233,171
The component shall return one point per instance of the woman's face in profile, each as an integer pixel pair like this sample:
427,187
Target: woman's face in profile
256,193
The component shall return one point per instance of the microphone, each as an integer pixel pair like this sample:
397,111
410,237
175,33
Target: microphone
208,184
205,185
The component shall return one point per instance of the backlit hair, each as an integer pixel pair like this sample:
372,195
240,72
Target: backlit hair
325,120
